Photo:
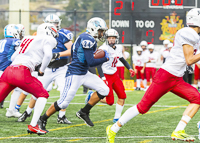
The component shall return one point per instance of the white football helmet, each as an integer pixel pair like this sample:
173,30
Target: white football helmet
193,17
11,31
151,46
112,33
166,42
170,45
138,49
47,29
143,43
53,19
21,30
95,24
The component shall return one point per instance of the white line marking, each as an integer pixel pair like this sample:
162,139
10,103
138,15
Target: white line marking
128,137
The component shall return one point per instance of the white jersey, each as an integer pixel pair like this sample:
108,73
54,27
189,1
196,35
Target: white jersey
145,53
110,67
153,57
165,53
138,60
33,51
119,63
176,63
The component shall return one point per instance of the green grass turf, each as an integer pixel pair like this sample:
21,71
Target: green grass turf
161,123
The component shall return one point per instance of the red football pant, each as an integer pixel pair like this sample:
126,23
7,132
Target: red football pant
196,72
139,75
150,72
164,82
114,83
20,76
120,71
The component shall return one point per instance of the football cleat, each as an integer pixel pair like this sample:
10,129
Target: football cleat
1,104
137,88
42,124
198,126
110,135
12,113
181,135
63,120
115,120
23,117
198,88
87,98
35,130
84,117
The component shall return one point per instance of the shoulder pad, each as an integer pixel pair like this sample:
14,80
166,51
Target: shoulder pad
68,34
189,35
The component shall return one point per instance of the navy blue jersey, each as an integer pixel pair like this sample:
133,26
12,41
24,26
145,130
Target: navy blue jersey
7,48
64,37
83,55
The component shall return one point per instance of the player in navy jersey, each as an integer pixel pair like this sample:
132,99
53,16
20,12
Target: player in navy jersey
78,74
7,48
56,70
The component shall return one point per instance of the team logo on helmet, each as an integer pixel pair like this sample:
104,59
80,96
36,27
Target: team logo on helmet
97,23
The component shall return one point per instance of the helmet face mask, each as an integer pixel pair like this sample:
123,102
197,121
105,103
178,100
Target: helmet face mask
53,19
151,48
21,30
96,27
47,29
11,31
112,37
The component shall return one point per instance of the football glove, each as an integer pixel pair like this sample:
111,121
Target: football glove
132,72
40,74
38,67
55,56
107,55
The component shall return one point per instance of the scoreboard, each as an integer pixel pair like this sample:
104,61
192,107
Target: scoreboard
149,20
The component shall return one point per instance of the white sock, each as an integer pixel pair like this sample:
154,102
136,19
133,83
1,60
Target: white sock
198,84
145,83
115,128
39,107
118,111
61,113
128,115
29,110
138,82
13,99
181,125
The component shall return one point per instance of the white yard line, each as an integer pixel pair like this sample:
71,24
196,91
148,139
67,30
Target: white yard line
128,137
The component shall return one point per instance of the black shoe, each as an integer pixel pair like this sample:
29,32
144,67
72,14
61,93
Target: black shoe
63,120
23,117
198,88
84,117
1,104
137,88
42,124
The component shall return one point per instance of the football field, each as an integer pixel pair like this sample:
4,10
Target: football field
154,127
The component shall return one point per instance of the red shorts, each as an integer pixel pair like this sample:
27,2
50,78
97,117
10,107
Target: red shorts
114,83
120,71
150,72
196,72
20,76
164,82
139,75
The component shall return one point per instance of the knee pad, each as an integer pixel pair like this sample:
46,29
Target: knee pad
56,106
100,96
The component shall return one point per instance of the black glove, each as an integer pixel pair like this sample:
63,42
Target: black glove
190,69
55,56
40,74
38,67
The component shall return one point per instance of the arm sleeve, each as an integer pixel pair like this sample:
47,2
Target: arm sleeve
15,54
100,71
47,58
187,37
89,57
126,64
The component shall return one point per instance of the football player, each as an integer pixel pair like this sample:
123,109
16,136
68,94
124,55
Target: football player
56,70
165,44
170,78
139,66
143,45
152,58
77,73
108,72
33,51
8,47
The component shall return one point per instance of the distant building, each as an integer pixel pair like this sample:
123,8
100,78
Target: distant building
2,2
